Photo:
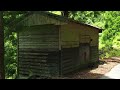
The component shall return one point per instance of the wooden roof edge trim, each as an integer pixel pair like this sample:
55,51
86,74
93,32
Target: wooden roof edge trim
100,30
65,19
57,17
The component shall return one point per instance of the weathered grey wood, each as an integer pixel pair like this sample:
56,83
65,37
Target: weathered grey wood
94,55
69,59
18,54
40,40
46,49
37,35
39,50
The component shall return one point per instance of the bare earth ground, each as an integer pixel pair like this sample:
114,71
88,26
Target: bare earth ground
95,73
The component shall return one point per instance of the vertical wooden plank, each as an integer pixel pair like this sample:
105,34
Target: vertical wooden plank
17,54
2,72
60,53
59,37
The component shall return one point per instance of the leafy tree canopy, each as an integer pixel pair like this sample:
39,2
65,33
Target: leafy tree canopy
109,39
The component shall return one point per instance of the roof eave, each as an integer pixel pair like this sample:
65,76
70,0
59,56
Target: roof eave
13,24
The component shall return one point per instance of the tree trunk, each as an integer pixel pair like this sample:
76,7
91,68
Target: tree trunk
2,73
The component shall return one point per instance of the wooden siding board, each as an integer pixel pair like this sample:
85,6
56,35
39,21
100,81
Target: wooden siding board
65,41
77,31
18,54
60,53
70,48
71,37
94,56
69,59
36,55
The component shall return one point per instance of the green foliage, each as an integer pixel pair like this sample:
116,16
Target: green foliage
107,53
109,39
10,55
110,35
10,39
88,17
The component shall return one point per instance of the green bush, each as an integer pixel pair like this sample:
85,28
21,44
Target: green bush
11,56
109,53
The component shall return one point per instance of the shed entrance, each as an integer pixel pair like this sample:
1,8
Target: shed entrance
84,52
84,49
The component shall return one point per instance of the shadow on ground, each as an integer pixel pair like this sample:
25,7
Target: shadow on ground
84,74
106,77
101,62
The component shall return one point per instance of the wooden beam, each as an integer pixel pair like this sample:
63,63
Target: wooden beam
2,73
65,13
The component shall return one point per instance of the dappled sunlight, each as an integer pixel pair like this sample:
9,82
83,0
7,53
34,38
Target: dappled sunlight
96,73
107,43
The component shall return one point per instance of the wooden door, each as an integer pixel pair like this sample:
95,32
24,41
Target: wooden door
84,53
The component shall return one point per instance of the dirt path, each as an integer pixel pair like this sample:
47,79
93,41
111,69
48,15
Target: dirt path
105,66
114,73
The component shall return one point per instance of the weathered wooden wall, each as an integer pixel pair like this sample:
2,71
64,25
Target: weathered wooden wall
84,54
94,55
39,50
45,49
92,37
48,50
70,48
78,46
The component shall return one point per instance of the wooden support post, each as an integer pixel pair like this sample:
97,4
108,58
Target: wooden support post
65,13
2,73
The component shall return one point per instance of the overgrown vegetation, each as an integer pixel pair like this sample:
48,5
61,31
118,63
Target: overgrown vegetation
10,40
109,40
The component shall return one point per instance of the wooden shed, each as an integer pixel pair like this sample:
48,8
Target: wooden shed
52,45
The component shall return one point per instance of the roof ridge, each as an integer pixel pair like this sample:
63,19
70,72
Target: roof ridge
58,17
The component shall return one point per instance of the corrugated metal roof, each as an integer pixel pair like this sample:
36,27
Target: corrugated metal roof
57,17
